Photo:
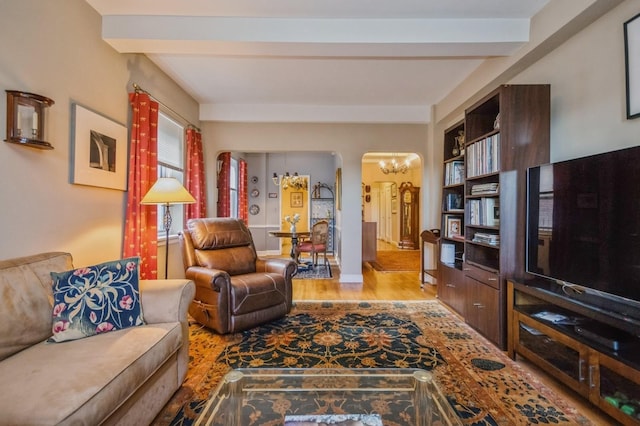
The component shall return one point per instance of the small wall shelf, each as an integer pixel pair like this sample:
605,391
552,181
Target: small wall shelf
25,119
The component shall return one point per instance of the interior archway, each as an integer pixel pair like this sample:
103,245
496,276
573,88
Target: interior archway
381,201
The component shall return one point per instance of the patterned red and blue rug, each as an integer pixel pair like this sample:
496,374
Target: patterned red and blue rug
308,271
482,384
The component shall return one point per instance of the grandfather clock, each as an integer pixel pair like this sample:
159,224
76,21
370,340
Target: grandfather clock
409,214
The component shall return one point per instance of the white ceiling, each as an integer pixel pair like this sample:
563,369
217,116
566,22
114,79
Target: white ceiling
312,61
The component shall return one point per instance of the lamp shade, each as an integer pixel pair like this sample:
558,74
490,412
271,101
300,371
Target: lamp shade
168,191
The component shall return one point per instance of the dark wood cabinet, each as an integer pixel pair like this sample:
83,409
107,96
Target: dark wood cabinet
452,288
505,132
543,327
482,308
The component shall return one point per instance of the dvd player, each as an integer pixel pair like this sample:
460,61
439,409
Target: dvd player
607,336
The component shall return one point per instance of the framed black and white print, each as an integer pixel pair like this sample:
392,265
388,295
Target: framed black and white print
632,63
99,150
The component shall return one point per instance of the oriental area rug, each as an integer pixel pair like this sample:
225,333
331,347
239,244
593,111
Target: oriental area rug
480,382
310,272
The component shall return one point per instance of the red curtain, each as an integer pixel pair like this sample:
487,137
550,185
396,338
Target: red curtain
243,195
141,222
194,176
224,199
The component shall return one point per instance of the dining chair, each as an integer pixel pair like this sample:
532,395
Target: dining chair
315,244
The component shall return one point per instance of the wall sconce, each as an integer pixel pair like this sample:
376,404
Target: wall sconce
25,119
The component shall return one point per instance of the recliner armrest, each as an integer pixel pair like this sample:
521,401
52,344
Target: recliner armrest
212,278
166,300
277,265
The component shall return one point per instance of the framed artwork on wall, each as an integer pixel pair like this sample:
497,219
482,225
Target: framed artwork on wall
99,150
296,199
632,65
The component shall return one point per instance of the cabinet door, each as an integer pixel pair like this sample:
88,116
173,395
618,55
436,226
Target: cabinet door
452,289
483,309
614,387
562,357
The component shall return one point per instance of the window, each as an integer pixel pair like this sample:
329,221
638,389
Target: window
170,164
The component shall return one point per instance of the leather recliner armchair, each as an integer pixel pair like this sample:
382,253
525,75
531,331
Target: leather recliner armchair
235,290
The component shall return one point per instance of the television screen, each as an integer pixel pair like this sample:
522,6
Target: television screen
583,223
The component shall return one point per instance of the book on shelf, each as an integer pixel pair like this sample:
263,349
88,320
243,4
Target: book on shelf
454,172
453,201
483,156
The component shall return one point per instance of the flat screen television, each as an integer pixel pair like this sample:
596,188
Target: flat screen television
583,229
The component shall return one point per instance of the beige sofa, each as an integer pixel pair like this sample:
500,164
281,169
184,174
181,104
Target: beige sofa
120,377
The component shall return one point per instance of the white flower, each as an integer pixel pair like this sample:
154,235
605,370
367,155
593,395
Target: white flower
292,220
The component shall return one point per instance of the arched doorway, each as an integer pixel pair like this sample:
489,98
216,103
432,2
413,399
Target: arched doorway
383,174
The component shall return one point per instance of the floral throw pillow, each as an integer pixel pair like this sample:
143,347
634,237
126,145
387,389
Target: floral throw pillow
96,299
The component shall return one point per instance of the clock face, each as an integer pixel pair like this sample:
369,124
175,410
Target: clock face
255,193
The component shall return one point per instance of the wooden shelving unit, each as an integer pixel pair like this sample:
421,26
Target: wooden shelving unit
505,133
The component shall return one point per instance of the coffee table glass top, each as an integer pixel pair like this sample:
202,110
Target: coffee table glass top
268,396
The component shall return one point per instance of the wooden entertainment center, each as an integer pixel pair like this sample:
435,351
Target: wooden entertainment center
590,349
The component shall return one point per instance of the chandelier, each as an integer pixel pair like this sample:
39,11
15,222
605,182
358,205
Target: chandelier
394,167
295,181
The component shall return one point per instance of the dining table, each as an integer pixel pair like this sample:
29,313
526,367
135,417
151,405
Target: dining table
293,236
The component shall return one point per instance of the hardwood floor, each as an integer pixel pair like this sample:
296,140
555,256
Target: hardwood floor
406,286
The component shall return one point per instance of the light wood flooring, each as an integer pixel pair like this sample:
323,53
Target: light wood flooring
406,286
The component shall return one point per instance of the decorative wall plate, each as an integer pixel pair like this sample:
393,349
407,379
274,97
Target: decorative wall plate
254,209
255,192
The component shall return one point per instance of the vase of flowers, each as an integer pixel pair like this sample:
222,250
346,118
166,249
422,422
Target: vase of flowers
292,220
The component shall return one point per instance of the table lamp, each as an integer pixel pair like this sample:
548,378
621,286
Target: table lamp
167,191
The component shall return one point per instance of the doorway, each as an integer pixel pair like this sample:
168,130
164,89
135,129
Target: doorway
381,195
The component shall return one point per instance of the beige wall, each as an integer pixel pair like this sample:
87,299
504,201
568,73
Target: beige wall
588,99
54,48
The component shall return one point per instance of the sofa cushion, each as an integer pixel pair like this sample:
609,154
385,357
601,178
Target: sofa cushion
96,299
83,379
25,291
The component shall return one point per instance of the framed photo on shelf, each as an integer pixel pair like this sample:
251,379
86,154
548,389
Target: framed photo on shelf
632,63
296,199
453,226
99,147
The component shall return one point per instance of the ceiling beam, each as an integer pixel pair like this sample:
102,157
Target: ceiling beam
315,37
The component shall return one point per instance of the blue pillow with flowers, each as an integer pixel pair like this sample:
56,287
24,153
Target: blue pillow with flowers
96,299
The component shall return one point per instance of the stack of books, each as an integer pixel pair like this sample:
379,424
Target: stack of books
486,238
485,188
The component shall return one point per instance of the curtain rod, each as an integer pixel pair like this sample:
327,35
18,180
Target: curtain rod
189,124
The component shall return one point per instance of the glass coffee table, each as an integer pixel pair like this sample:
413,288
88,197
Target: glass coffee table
313,396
